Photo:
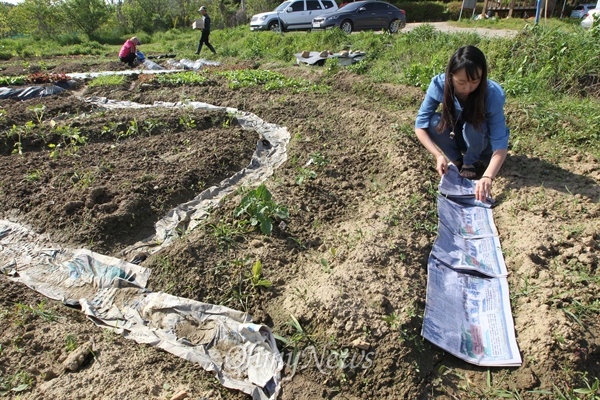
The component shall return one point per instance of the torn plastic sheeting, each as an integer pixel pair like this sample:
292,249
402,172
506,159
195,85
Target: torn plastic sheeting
271,152
242,355
152,65
184,63
112,293
61,274
30,92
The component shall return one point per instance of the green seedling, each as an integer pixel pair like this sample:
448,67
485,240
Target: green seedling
38,311
39,111
304,174
17,383
33,176
255,278
71,139
187,122
319,159
393,320
71,342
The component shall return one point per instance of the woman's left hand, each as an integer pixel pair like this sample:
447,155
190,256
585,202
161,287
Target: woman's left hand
483,190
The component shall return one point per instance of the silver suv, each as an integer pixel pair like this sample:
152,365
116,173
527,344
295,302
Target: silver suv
292,15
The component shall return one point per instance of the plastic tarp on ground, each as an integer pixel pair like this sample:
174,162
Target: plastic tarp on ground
112,292
30,92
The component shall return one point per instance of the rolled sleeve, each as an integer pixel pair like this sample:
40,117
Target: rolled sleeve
433,98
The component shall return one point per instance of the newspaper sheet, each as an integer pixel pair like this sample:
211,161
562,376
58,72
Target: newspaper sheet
461,190
480,255
470,317
466,221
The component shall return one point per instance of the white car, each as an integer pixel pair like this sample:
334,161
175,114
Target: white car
581,10
292,15
588,19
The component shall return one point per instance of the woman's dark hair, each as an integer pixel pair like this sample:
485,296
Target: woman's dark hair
471,59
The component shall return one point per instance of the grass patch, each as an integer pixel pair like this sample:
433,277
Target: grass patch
107,80
269,79
181,78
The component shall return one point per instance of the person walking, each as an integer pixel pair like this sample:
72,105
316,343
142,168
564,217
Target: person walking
471,127
205,31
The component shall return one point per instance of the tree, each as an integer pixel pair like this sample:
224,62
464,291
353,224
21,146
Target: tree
87,15
36,17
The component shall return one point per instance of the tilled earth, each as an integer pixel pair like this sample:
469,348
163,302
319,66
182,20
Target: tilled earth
349,264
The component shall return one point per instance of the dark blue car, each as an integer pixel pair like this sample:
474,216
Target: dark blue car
361,16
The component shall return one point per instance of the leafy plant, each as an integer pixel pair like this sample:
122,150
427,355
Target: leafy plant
19,132
39,111
318,159
17,383
12,80
304,174
299,335
107,80
181,78
259,206
226,233
38,311
187,122
256,279
33,176
71,140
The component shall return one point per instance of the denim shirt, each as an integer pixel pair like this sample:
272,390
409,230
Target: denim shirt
494,110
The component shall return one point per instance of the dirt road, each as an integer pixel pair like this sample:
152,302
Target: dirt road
447,27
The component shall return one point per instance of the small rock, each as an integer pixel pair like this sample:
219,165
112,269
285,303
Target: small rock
361,344
78,357
180,396
586,259
256,243
49,374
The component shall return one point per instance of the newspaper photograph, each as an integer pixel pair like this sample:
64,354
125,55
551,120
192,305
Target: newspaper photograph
482,255
470,317
466,221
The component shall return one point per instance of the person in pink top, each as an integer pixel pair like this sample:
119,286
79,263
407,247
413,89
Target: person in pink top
127,53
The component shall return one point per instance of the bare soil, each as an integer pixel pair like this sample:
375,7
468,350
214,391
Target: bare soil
350,264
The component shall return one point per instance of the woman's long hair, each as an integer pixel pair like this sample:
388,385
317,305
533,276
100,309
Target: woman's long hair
471,59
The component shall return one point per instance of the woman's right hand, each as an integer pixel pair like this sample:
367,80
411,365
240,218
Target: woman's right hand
441,164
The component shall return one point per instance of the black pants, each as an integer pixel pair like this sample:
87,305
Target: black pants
204,40
129,59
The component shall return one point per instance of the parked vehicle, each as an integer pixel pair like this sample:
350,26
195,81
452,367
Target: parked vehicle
581,10
588,19
292,15
363,15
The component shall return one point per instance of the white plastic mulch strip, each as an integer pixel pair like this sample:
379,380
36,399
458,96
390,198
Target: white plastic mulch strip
270,153
150,68
112,292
